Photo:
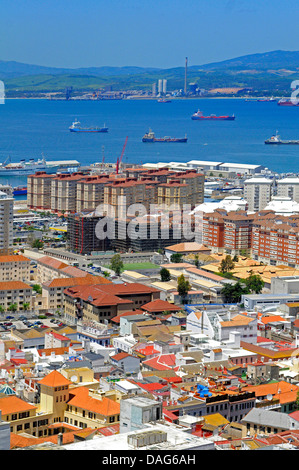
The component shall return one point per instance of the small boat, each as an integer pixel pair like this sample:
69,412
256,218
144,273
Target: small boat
163,100
199,116
275,139
75,127
150,137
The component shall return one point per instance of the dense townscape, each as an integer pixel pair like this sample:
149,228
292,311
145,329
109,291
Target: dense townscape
185,341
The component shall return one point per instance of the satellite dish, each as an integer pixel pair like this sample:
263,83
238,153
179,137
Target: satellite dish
74,378
269,396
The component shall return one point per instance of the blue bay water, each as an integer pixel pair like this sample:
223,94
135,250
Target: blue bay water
29,128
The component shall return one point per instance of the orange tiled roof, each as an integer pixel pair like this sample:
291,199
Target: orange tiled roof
14,285
285,392
52,262
54,379
77,281
104,406
11,258
159,305
13,404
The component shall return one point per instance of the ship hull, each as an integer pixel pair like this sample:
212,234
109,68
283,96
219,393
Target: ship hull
213,118
283,142
165,140
27,171
103,129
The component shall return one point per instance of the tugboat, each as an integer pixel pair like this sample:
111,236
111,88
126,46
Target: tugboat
75,127
275,139
150,137
199,116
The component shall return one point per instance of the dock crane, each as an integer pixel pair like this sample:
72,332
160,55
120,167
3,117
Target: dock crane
103,157
118,162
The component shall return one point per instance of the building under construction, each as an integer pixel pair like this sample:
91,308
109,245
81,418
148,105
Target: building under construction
133,234
82,236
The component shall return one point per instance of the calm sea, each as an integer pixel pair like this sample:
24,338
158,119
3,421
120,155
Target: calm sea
29,128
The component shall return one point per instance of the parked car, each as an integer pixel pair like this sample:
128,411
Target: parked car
9,317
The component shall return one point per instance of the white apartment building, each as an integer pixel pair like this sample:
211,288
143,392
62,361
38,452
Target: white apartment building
15,293
6,223
14,268
288,187
257,192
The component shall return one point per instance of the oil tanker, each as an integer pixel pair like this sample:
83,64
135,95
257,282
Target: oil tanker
150,137
199,117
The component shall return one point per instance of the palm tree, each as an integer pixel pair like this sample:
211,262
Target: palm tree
13,308
26,306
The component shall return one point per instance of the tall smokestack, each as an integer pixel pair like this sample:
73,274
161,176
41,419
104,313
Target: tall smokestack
186,65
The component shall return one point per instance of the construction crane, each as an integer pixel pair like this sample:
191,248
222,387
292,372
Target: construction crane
103,157
121,157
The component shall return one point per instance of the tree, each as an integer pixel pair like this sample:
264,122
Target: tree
13,308
37,288
116,264
26,306
165,275
232,293
176,258
183,287
255,283
196,261
37,244
2,309
226,264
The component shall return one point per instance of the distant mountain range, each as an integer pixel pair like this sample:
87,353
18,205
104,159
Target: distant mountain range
264,71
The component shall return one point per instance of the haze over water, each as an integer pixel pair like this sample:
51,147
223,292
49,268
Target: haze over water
29,128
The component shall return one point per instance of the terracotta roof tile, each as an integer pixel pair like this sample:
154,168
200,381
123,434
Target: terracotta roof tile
54,379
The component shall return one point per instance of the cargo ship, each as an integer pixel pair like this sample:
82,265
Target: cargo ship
288,102
75,127
199,116
267,99
20,191
275,139
150,137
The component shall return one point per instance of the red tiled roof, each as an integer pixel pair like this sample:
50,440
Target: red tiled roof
120,356
162,362
117,318
159,305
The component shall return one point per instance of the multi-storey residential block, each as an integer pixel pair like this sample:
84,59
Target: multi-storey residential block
69,193
39,191
15,293
6,223
288,187
14,268
257,192
103,302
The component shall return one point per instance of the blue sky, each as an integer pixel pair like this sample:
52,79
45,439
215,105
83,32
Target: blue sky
156,33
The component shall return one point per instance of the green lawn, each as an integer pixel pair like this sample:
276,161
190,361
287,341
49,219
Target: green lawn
135,266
